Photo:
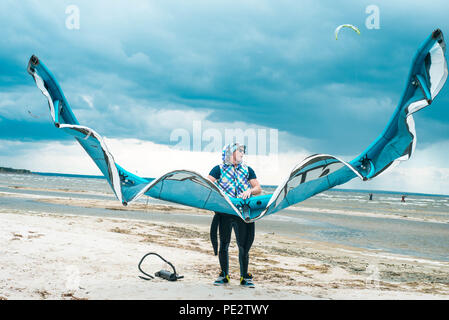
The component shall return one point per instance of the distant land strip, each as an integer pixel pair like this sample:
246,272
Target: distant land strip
11,170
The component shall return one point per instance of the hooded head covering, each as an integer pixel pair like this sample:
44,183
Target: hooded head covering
229,150
233,178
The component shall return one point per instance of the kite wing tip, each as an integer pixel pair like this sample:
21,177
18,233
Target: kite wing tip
34,60
32,63
436,33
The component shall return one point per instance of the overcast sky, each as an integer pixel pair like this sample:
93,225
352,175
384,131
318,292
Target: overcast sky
147,75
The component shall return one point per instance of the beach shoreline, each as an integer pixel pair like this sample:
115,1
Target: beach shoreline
53,256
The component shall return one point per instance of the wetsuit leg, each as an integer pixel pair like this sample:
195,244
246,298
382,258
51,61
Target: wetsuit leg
249,242
244,234
225,230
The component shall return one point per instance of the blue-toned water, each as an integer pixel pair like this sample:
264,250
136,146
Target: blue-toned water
418,227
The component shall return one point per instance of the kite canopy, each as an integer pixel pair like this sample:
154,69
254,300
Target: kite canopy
337,30
313,175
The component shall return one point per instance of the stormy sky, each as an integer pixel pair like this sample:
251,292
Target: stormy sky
147,74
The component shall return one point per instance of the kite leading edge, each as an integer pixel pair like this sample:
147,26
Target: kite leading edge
313,175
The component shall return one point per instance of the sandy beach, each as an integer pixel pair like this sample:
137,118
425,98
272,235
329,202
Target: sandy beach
53,256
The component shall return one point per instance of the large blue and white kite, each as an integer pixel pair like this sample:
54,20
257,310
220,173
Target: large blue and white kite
313,175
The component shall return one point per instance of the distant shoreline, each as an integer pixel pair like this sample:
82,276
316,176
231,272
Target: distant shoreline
12,170
72,175
265,187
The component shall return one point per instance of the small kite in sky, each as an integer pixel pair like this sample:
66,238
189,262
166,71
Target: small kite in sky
337,30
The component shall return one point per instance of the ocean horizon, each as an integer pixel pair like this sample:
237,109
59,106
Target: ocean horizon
266,187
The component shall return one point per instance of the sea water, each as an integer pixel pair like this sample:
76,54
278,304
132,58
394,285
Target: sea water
417,227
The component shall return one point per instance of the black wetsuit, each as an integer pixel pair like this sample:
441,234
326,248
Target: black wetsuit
244,234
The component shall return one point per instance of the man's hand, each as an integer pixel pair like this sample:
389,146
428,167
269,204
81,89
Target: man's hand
246,194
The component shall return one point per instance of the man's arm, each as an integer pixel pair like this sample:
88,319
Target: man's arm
254,190
255,187
211,178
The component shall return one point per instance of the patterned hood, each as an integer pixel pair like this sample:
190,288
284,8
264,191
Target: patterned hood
228,150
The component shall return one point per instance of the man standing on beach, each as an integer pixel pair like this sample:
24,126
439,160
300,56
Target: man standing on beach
237,180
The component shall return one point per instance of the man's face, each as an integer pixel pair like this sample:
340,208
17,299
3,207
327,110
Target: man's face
238,155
